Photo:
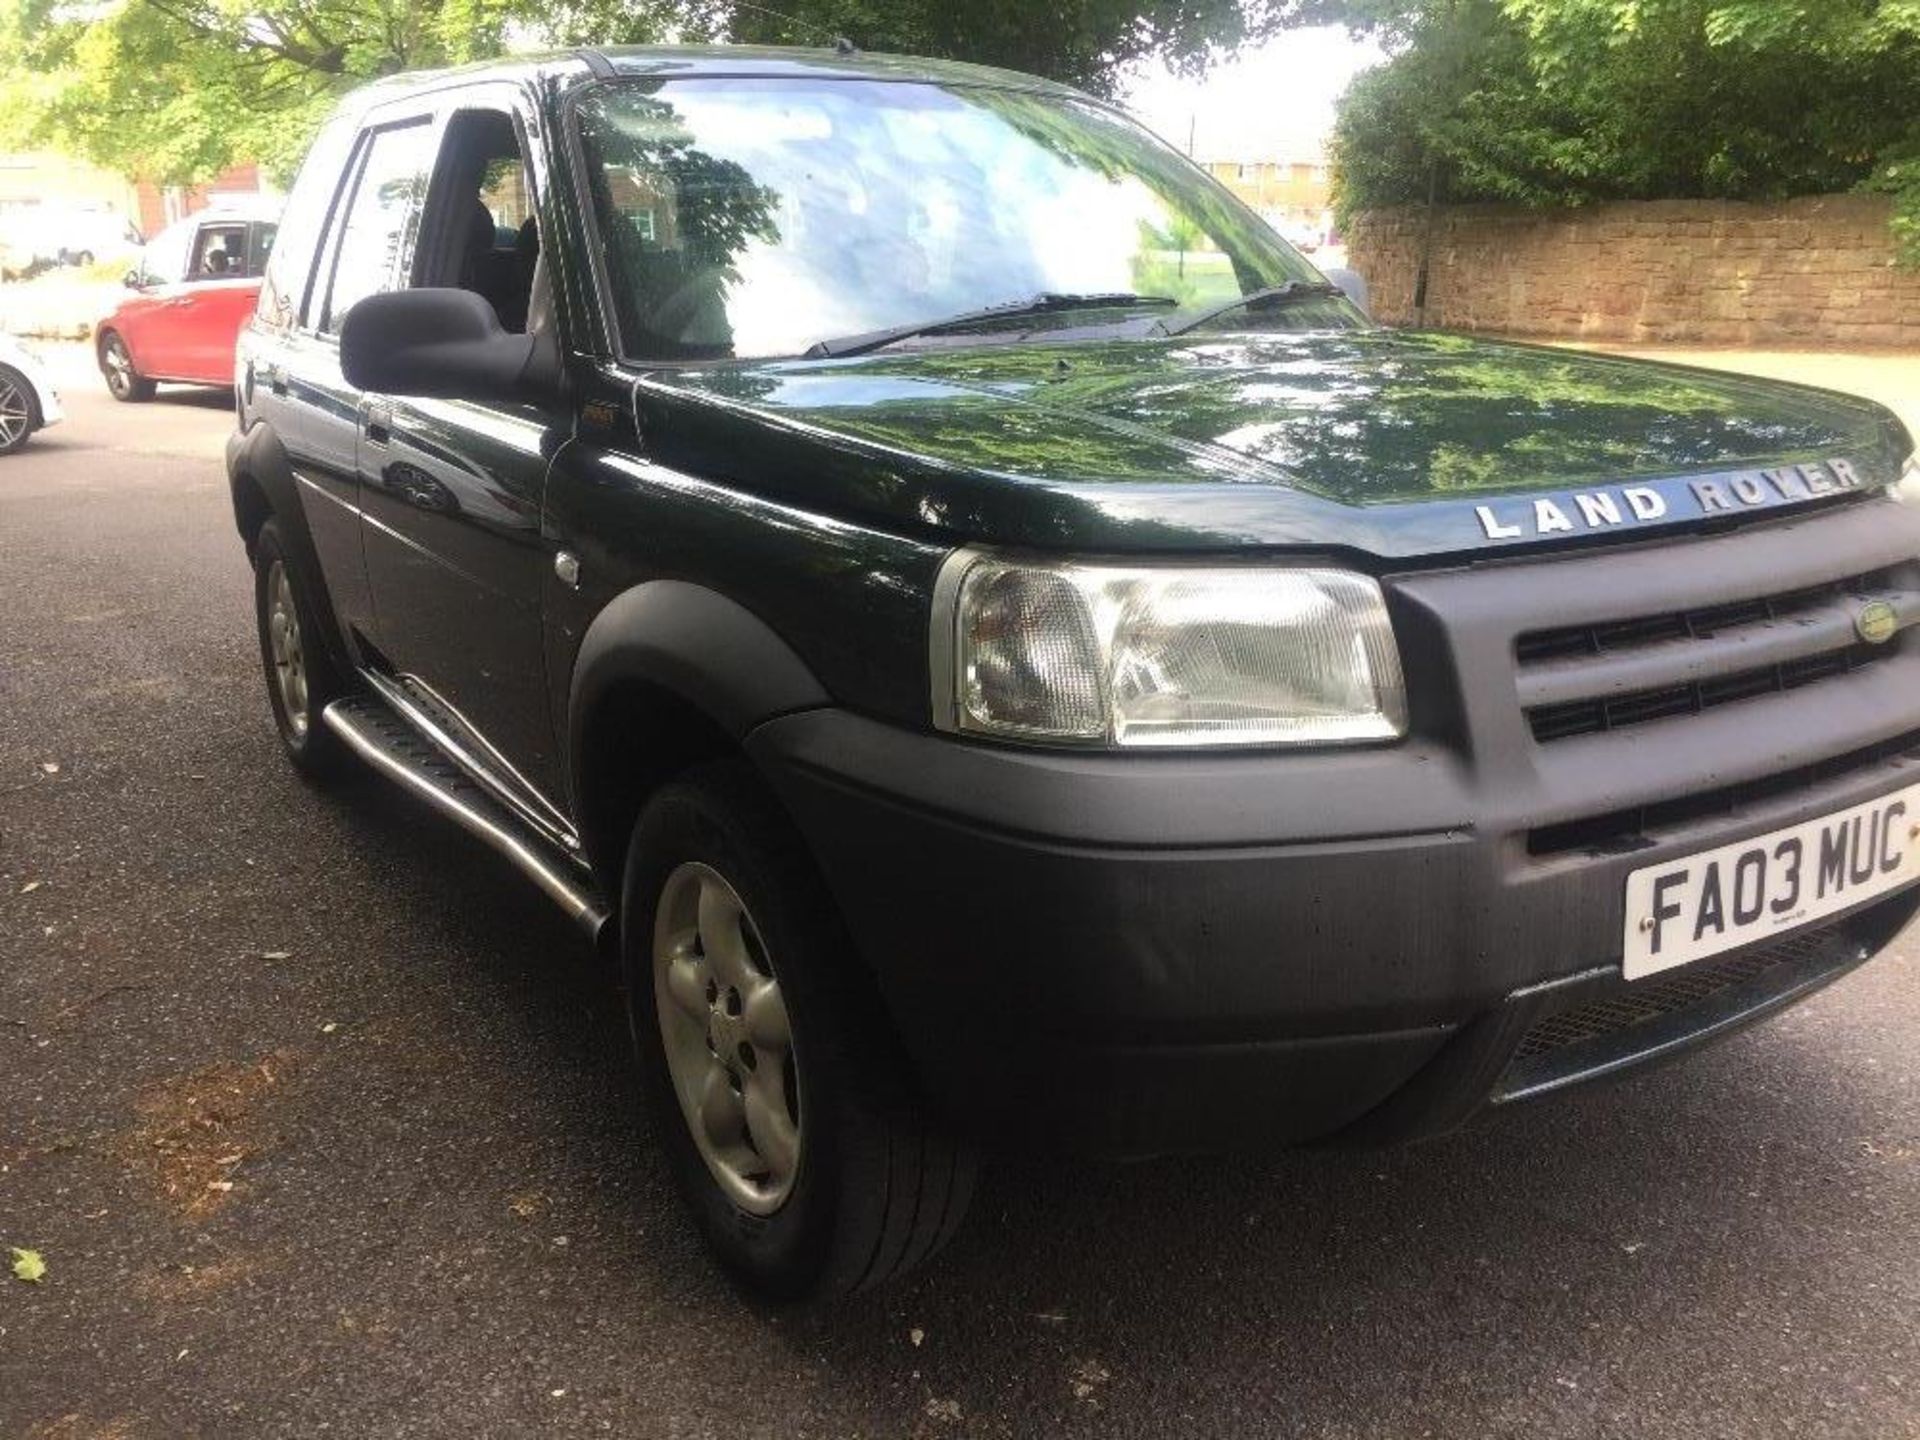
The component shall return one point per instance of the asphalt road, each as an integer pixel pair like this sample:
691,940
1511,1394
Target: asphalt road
323,1124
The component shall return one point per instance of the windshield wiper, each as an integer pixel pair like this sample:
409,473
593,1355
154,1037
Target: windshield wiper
1046,303
1272,298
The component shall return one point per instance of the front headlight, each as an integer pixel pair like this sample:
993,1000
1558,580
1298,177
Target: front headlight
1173,655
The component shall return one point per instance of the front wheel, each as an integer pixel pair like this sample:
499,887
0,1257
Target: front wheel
16,410
775,1080
116,366
301,678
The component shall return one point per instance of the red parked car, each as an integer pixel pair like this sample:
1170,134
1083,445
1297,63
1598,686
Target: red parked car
194,286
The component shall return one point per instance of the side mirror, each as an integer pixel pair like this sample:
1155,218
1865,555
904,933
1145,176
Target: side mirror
134,280
1355,287
444,344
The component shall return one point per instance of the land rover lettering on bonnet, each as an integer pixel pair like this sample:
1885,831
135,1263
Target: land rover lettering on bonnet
995,649
1586,510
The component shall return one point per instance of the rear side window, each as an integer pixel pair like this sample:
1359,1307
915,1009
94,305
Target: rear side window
375,246
262,244
302,222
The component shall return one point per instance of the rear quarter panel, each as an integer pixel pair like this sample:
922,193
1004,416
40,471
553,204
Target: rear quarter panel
209,326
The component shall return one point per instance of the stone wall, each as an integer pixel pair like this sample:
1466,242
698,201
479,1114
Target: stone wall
1813,271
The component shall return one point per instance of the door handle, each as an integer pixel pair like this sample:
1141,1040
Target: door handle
379,424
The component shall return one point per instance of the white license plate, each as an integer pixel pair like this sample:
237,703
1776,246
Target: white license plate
1700,905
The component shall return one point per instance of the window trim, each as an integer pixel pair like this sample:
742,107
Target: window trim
196,252
318,297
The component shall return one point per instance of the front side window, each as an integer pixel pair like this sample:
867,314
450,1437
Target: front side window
219,253
480,231
756,217
375,245
164,260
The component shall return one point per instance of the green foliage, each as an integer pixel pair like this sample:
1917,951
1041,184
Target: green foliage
1561,102
176,90
1084,42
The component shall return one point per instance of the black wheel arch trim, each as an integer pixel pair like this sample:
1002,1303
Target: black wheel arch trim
693,643
255,457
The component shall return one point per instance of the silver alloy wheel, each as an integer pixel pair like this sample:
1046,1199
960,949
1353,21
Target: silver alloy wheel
289,659
728,1042
16,413
119,367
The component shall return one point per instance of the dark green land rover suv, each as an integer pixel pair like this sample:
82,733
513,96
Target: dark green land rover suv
1001,650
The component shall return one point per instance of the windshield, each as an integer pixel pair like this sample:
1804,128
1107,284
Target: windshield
759,217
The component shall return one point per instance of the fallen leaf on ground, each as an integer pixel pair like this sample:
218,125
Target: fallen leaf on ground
28,1266
29,887
50,767
1088,1376
276,954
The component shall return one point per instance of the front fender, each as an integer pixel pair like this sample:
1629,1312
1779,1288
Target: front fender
695,644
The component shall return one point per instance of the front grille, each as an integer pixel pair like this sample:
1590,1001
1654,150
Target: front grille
1623,1023
1620,832
1642,1001
1588,679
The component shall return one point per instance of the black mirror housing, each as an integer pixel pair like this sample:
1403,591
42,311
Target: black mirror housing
439,343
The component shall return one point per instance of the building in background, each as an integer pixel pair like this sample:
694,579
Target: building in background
159,206
40,184
29,181
1291,191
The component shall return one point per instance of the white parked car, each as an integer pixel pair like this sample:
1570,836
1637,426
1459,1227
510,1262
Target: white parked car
82,236
39,238
27,398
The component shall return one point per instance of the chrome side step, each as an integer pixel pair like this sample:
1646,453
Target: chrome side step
398,751
445,729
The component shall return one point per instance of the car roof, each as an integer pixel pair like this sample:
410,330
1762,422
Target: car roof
688,62
234,212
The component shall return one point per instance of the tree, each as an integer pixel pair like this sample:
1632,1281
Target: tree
1562,102
1083,42
176,90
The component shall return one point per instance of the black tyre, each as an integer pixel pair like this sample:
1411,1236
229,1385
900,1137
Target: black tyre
116,366
301,678
773,1074
19,411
